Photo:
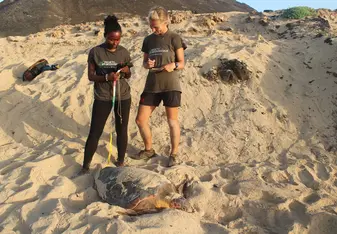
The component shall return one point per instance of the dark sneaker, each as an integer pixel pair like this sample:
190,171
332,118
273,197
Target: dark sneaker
172,160
145,154
83,171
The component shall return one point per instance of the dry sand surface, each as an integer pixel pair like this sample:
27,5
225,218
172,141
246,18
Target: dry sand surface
262,152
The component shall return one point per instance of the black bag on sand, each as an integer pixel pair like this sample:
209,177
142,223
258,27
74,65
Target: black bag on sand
34,70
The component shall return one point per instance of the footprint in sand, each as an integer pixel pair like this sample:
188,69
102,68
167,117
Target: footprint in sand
311,198
11,167
322,172
307,179
267,177
230,214
206,178
299,212
335,183
24,176
233,188
268,216
323,223
237,168
272,198
226,173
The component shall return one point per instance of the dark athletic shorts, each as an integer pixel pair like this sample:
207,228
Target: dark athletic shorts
170,99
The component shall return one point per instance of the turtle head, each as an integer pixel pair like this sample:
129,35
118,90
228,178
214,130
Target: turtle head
182,204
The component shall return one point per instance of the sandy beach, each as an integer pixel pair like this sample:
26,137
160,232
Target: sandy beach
263,152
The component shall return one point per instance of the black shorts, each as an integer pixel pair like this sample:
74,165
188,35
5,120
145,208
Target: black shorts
170,99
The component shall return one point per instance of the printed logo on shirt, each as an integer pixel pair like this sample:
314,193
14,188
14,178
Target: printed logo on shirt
158,51
107,64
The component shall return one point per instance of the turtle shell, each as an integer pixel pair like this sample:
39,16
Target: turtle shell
127,186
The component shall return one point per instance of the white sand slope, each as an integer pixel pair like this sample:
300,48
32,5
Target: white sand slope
263,152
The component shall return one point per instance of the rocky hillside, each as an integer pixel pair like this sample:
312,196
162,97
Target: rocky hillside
21,17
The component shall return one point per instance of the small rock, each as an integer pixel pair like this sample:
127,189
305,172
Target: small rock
57,34
178,17
328,41
253,12
254,110
12,39
264,22
126,25
96,32
249,19
290,26
192,30
227,29
218,19
311,81
319,35
309,67
209,23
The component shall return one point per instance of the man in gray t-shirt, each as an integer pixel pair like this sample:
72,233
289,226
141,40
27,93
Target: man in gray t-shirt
163,56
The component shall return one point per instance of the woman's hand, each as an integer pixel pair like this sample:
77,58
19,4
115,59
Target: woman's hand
150,63
169,67
125,69
113,76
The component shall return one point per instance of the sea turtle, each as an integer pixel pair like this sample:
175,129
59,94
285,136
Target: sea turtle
140,191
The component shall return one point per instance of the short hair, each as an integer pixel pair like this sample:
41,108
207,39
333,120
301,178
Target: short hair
158,13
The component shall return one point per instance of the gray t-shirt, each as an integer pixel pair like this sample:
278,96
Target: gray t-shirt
105,62
162,48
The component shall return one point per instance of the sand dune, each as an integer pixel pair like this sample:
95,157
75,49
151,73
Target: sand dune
262,152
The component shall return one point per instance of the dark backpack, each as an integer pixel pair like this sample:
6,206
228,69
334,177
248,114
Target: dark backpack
34,70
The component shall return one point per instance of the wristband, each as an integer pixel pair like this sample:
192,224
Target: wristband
176,66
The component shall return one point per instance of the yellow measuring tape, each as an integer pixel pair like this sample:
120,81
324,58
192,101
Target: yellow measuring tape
110,151
113,105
